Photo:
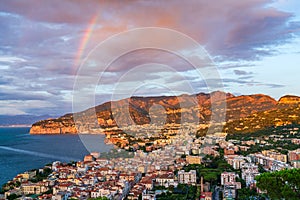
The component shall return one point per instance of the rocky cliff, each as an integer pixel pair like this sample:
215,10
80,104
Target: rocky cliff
289,99
61,125
174,108
287,112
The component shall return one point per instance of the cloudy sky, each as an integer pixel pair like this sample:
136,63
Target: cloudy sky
46,47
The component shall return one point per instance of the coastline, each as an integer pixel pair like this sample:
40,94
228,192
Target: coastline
22,151
133,172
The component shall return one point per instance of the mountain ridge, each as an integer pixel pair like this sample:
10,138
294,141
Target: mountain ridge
237,107
21,120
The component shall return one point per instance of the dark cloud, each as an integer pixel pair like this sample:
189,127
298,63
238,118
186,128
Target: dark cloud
246,77
272,85
234,64
241,72
21,96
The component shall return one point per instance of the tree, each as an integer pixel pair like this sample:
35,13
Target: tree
246,193
12,196
261,169
140,197
99,198
17,184
284,184
212,177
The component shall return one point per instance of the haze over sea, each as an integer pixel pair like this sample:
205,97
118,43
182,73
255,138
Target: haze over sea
20,151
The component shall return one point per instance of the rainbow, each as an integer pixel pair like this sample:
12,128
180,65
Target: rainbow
87,34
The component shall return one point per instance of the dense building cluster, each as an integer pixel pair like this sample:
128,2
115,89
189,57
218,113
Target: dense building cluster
148,175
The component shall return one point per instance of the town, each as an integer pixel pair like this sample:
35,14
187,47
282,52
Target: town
217,166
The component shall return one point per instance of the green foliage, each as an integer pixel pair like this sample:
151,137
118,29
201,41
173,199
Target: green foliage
284,184
182,192
18,184
99,198
41,175
261,169
211,172
49,191
210,176
158,187
8,186
242,181
247,193
271,130
218,162
281,143
168,195
12,196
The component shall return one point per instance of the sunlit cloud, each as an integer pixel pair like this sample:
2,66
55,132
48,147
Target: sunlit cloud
42,46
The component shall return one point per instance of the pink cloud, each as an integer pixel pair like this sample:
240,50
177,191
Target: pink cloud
230,28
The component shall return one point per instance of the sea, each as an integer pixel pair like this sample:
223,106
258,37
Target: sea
20,151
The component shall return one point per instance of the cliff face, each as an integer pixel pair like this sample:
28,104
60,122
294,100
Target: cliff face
52,129
289,99
287,112
243,106
191,108
62,125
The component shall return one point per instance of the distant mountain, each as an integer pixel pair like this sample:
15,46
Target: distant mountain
237,107
10,120
287,112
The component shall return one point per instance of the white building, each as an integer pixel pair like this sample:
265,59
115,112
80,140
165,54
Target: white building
187,177
227,177
166,180
249,172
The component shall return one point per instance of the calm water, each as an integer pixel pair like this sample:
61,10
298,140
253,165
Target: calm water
20,151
